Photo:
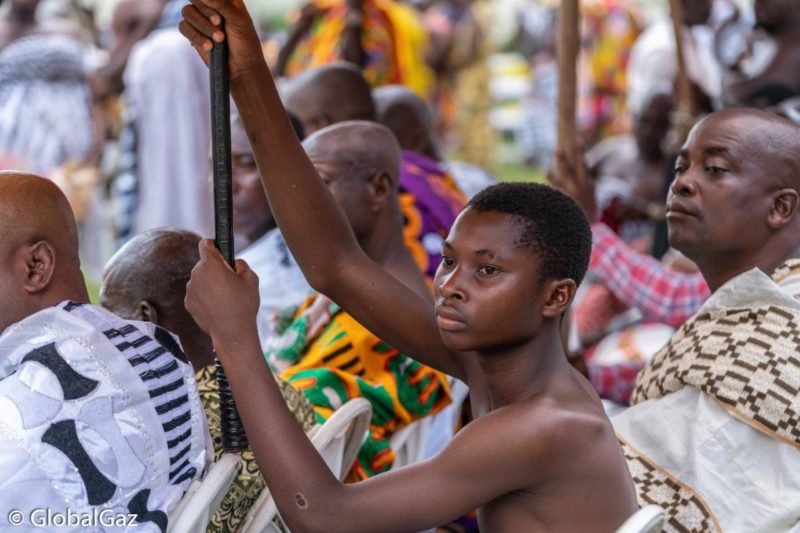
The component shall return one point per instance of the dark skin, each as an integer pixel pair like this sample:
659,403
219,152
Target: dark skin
406,114
39,250
541,444
133,20
252,216
696,12
645,172
328,95
734,200
144,280
359,161
733,204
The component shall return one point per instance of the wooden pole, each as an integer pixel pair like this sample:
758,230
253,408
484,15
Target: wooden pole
568,43
684,111
233,435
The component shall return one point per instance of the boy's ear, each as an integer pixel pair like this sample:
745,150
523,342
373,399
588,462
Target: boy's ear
380,188
784,207
40,263
560,294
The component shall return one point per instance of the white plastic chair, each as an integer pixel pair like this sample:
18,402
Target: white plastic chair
337,441
443,424
649,519
409,442
203,498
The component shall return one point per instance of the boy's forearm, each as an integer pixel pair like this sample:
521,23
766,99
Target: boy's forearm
298,478
312,223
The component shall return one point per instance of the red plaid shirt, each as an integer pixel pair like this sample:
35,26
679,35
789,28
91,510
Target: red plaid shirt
641,281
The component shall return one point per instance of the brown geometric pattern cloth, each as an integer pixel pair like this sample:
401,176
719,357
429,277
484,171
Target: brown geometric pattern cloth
684,509
749,361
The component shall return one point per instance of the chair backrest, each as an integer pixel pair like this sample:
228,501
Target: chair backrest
342,435
337,441
409,443
203,498
649,519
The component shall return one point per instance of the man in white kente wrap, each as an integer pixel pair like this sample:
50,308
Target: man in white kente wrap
713,434
100,419
714,430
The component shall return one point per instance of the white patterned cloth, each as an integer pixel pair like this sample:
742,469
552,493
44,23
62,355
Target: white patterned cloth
713,436
97,415
45,103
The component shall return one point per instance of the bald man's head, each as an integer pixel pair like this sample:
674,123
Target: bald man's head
39,264
360,162
772,140
736,192
328,95
401,110
146,280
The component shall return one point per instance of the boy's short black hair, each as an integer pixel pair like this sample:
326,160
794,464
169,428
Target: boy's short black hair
553,225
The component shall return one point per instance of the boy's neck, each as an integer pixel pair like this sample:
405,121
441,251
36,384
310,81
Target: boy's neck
521,372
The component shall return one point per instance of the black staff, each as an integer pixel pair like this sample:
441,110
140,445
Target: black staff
233,435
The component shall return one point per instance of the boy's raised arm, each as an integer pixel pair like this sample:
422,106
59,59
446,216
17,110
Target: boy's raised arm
488,458
312,223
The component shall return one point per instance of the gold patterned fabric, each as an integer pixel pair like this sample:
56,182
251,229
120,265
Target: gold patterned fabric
248,483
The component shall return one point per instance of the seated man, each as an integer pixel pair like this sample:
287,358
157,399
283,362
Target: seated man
712,434
146,280
511,264
410,119
325,352
428,196
281,282
97,412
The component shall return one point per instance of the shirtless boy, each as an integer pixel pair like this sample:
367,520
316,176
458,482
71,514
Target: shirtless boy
541,454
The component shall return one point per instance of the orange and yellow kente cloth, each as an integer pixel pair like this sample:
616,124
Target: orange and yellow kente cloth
322,351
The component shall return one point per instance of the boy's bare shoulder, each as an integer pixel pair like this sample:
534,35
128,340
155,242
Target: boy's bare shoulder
538,430
545,424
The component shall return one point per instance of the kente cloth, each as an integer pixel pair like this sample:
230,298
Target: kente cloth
714,431
392,37
45,103
97,414
608,31
430,202
332,358
248,483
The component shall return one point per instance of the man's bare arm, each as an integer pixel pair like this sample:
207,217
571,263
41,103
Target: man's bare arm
312,223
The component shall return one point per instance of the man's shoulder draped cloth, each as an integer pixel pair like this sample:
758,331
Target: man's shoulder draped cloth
96,414
723,399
